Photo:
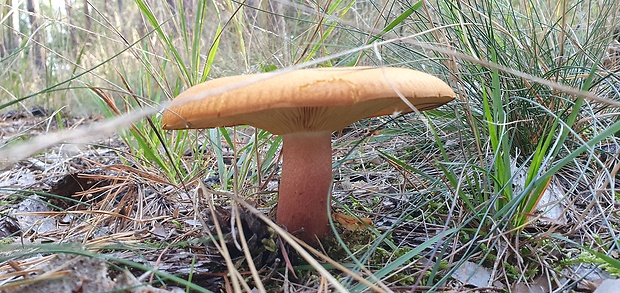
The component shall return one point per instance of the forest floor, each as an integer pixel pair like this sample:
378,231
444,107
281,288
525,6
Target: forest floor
86,219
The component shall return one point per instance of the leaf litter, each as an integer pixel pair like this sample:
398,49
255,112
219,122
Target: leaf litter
88,195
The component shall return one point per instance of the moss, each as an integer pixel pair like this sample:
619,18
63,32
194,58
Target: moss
586,257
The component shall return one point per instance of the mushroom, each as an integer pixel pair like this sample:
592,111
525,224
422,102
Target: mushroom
305,106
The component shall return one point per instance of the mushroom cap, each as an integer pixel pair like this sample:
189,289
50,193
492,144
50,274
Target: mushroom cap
305,100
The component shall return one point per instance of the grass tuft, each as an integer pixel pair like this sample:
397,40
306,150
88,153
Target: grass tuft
515,176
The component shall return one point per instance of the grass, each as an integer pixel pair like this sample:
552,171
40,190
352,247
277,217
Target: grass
535,116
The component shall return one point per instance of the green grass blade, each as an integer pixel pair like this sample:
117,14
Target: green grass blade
407,257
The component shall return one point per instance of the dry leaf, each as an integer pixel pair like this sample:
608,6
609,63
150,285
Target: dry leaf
352,223
608,286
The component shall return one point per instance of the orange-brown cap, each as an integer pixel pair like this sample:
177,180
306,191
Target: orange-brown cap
319,99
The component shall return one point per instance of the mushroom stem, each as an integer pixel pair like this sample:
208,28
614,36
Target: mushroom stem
304,187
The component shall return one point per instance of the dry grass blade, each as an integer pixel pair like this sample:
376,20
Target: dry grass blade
246,251
96,212
300,247
122,238
345,270
142,174
97,130
24,263
22,268
57,272
233,273
42,278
